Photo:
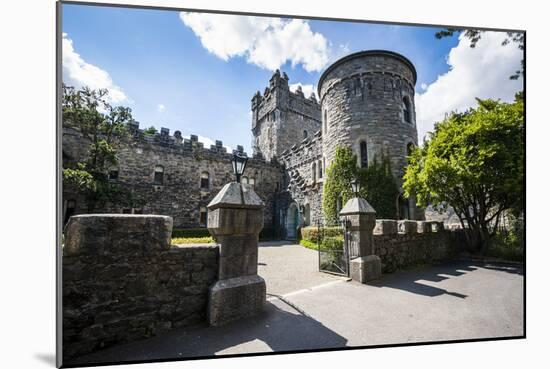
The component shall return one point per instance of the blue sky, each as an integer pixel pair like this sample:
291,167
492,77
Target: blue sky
198,74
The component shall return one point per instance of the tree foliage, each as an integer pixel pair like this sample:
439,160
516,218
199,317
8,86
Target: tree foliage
473,162
378,186
150,131
103,125
474,35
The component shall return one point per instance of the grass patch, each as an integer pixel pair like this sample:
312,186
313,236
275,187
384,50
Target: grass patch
308,244
191,240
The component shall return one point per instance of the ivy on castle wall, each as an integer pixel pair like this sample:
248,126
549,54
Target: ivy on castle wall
378,186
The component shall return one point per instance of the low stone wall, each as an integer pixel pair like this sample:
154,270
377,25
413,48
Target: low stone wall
122,281
400,244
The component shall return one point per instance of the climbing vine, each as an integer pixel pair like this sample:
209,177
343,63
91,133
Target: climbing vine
378,186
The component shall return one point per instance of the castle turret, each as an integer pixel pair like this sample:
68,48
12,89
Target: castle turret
367,102
282,118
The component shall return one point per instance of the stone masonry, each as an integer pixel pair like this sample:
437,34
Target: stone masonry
235,219
123,281
366,102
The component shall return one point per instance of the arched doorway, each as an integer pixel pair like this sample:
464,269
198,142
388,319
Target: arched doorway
292,221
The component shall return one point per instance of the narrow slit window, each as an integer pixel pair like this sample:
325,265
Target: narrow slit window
159,175
205,181
364,154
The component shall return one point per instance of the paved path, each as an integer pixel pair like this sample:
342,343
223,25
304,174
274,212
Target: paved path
456,300
288,267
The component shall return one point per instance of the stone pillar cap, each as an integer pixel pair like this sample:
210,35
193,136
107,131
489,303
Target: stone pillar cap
235,195
357,205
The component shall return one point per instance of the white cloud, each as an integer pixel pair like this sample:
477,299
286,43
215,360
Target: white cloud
78,73
207,142
306,89
161,108
424,86
481,72
265,42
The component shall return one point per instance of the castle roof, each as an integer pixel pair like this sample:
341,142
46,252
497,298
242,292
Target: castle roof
361,54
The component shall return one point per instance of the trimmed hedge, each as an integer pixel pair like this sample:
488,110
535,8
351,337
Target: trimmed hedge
190,233
310,233
328,244
332,243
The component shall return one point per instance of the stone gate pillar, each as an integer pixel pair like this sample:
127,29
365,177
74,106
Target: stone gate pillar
364,265
235,219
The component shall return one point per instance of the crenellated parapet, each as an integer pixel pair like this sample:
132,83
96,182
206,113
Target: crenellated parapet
282,118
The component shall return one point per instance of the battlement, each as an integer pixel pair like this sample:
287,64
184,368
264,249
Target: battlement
279,96
163,138
175,142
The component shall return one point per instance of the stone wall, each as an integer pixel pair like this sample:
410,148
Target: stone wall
401,244
183,161
122,281
306,174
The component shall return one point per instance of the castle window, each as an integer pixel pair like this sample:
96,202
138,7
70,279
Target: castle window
320,169
244,180
305,134
159,175
113,173
363,154
325,121
205,181
252,182
407,116
313,169
203,216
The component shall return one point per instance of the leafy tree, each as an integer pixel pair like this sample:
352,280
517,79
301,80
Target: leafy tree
104,126
473,163
378,186
474,35
150,131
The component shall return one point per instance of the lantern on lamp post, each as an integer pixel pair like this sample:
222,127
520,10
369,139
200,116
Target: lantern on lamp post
239,164
355,186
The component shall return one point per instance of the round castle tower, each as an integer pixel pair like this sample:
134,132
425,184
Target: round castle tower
367,103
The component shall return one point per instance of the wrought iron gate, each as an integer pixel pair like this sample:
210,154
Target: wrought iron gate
333,246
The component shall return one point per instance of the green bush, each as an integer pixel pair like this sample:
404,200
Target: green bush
507,245
311,233
190,240
190,233
332,243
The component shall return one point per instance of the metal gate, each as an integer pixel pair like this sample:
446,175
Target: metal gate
333,246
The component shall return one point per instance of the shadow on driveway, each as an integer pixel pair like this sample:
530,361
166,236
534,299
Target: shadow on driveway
279,328
408,280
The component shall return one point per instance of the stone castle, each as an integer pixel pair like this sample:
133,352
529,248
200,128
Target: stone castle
366,103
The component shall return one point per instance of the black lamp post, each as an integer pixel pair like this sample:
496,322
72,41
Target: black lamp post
355,186
239,164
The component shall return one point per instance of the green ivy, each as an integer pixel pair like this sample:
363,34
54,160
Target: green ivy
378,186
